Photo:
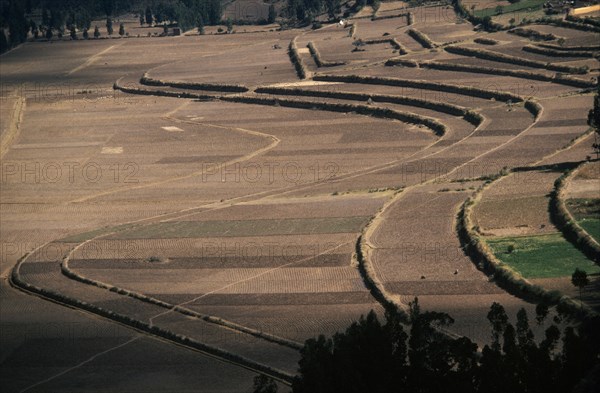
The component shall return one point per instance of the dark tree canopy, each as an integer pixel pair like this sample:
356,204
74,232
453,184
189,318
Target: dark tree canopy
413,354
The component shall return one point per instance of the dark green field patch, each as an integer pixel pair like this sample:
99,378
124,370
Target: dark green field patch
591,226
521,5
586,212
542,256
245,228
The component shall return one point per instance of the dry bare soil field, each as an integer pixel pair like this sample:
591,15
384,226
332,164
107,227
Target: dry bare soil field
181,213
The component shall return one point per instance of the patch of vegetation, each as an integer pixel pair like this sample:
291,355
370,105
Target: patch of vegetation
541,256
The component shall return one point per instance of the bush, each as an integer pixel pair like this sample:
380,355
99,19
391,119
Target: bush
421,38
485,41
296,59
533,34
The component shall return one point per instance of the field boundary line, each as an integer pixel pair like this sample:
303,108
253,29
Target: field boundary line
274,142
92,59
14,126
60,374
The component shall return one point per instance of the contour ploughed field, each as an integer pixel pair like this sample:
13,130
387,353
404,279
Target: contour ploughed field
217,199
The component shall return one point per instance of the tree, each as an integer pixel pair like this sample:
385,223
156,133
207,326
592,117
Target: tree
49,33
371,356
33,26
108,6
200,25
357,45
499,320
121,30
580,280
18,26
264,384
84,20
214,11
109,26
541,312
96,32
486,22
272,14
3,42
45,17
73,32
56,19
149,19
334,7
86,34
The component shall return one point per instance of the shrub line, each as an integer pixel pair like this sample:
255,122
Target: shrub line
421,38
421,84
564,220
532,34
502,58
556,53
485,41
392,41
443,107
435,65
161,93
319,60
437,127
222,87
297,60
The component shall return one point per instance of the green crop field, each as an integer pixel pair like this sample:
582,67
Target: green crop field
587,213
521,5
591,226
542,256
242,228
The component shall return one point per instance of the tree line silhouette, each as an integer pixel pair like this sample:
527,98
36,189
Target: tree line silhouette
412,353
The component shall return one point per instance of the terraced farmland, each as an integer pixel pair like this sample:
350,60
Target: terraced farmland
217,199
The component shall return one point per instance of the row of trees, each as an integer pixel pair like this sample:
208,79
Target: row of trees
57,16
306,10
186,13
411,354
54,18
